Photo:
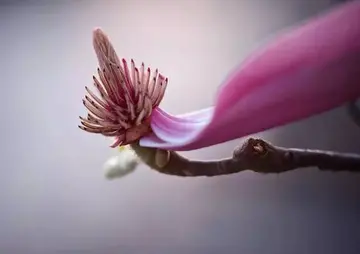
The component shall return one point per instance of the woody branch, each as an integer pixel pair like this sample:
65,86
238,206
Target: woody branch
255,154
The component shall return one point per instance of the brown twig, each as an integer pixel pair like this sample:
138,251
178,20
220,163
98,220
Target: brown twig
255,154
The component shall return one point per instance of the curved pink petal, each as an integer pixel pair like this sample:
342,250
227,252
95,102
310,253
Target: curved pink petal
311,69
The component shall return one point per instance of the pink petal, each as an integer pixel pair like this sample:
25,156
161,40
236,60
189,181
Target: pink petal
309,70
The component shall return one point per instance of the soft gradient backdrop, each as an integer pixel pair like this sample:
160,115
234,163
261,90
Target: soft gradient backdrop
53,194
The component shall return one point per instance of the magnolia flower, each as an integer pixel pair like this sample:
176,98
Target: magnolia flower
308,70
127,98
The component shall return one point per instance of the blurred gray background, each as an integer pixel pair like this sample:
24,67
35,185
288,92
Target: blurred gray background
54,197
